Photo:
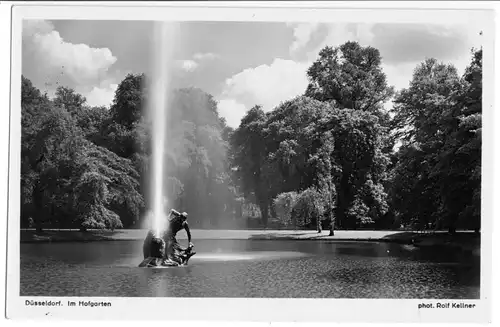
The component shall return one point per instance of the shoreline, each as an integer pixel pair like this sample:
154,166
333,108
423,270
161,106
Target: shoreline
466,241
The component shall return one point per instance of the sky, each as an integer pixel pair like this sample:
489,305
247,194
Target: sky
242,64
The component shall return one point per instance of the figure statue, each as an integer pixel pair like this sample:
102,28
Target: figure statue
174,252
164,250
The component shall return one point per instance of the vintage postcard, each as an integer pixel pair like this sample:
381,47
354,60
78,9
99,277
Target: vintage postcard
308,161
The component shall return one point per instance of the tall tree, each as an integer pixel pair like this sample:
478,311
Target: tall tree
249,158
351,76
438,118
33,106
459,160
359,167
129,98
419,109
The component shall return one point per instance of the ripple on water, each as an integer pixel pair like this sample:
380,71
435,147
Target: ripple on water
326,274
254,255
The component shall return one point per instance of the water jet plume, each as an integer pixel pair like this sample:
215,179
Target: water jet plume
162,59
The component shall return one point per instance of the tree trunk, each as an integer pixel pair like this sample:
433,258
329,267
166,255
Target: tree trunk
340,215
331,215
343,197
240,209
273,211
332,223
264,214
38,206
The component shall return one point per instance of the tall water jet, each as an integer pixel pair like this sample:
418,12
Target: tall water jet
158,248
162,58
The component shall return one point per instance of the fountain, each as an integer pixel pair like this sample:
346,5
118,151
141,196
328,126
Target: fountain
155,246
154,251
161,249
162,57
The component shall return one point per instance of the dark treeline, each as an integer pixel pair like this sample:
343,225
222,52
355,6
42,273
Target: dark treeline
326,159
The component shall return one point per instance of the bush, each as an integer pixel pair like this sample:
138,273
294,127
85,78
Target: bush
359,212
311,204
283,205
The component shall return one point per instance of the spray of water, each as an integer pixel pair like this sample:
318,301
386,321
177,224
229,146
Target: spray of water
162,58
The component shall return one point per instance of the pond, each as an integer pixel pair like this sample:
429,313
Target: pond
251,268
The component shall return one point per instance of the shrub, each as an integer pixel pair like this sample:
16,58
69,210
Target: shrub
310,206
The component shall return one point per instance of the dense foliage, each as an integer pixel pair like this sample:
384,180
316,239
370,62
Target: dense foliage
283,206
437,178
326,158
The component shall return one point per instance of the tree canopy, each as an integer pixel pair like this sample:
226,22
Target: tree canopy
326,157
437,178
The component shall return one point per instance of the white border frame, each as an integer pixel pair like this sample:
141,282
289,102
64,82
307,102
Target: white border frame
255,309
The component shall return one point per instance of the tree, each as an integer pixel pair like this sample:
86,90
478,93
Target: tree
291,141
299,151
33,106
93,122
284,204
249,155
107,192
129,99
310,206
459,161
419,109
197,157
66,179
273,152
51,158
437,177
359,165
418,123
351,76
414,195
71,101
309,144
336,151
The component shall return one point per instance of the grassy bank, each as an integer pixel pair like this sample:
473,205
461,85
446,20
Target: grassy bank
30,235
462,240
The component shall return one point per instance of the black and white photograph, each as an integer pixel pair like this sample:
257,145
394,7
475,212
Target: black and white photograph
238,154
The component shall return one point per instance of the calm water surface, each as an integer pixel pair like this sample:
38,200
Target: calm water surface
251,268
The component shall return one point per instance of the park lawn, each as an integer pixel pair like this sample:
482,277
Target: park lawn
55,235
